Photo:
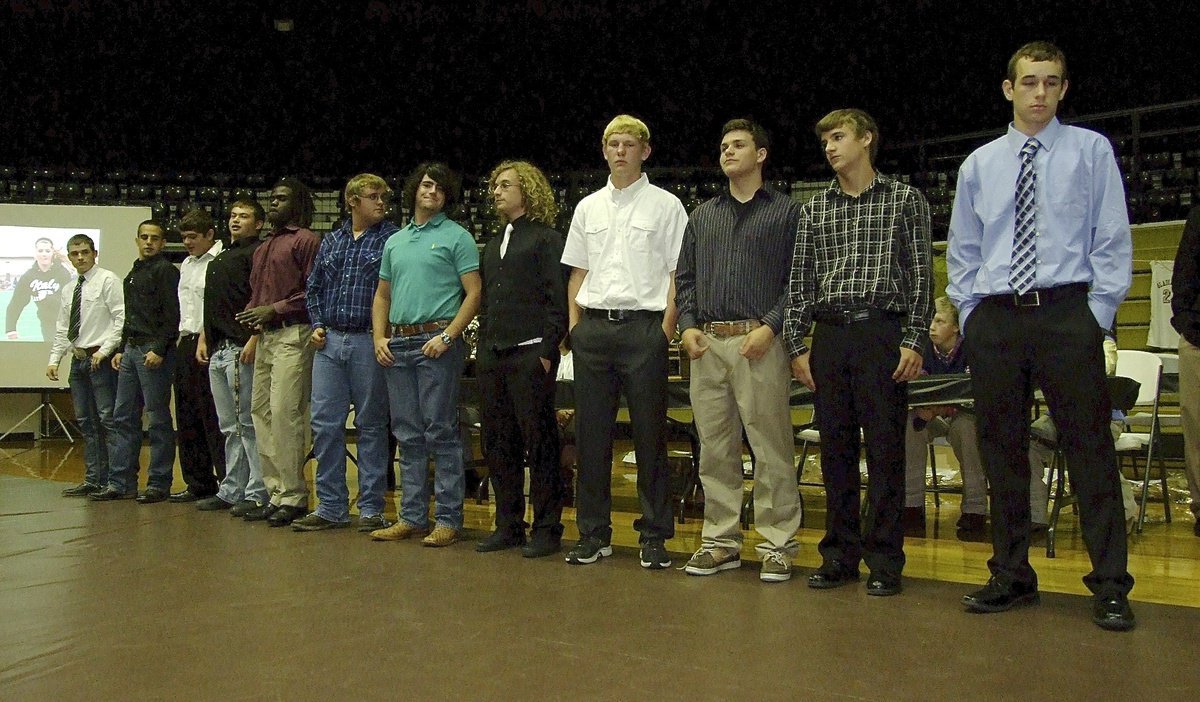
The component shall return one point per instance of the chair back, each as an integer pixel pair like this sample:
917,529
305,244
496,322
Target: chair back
1146,369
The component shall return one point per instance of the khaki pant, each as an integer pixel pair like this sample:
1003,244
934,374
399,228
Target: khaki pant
961,432
279,407
728,391
1189,410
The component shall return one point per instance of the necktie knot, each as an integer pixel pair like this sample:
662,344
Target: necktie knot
1030,149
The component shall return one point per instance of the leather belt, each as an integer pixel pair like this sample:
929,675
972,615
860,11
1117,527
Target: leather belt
88,352
623,315
724,330
1042,296
843,318
414,329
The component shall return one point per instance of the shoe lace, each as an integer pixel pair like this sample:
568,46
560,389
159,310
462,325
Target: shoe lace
776,557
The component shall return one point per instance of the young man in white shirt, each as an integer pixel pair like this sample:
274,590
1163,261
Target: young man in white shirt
622,247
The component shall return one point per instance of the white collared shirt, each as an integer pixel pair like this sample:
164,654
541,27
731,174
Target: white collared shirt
628,241
101,315
191,289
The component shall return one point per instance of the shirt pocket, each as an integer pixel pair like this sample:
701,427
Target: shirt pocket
595,236
642,235
91,293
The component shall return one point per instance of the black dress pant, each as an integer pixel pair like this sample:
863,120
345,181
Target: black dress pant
201,444
852,366
611,357
519,428
1057,346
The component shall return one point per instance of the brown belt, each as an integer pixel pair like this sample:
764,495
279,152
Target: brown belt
85,353
414,329
723,330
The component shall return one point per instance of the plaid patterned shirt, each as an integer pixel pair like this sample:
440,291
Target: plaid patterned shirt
857,252
344,275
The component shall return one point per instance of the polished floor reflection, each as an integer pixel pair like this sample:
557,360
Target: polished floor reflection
123,601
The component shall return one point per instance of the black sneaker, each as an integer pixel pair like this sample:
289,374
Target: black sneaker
244,506
589,549
654,555
212,504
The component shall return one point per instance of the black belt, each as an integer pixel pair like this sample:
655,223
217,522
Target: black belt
348,330
143,340
272,326
842,318
1037,298
623,315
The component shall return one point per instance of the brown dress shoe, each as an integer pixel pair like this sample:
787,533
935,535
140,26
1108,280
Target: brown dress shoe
441,536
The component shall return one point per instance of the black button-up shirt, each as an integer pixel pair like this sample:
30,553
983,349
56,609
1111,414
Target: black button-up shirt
152,304
226,292
524,293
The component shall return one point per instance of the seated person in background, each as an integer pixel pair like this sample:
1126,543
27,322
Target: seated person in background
955,423
1043,440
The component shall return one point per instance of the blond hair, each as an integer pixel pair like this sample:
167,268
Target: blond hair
627,124
942,305
365,181
536,192
858,120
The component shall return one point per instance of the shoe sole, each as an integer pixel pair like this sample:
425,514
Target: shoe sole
1109,625
1021,601
322,527
603,552
827,585
884,591
774,577
662,565
728,565
406,537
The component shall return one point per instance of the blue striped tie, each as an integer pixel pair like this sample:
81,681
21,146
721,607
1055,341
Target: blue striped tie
1023,272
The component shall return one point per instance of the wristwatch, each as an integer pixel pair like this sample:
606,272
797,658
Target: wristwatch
447,339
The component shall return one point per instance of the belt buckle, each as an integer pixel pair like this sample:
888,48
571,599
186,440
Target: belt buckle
858,316
614,315
1028,299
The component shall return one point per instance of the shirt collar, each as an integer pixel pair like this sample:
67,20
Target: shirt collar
286,229
1046,138
432,223
243,242
632,191
946,358
761,194
213,251
380,227
835,186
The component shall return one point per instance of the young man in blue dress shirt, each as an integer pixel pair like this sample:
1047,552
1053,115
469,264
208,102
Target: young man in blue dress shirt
1039,258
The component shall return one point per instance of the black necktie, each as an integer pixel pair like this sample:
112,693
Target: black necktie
76,303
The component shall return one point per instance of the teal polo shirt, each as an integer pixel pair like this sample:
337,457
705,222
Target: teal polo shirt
423,264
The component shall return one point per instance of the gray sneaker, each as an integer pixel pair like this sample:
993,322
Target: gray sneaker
372,523
776,567
315,522
711,560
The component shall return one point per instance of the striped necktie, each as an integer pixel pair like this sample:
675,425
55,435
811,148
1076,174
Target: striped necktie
1023,272
76,313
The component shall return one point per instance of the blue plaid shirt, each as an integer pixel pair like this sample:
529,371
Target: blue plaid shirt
344,275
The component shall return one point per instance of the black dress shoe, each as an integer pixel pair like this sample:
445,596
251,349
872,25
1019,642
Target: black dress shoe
832,574
998,596
286,515
212,504
883,584
111,493
152,495
1112,612
971,523
542,544
260,514
500,540
81,490
242,507
184,496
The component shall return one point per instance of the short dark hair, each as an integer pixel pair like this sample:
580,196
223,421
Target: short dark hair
154,223
1037,51
260,215
757,132
81,239
305,208
196,220
441,174
40,239
859,121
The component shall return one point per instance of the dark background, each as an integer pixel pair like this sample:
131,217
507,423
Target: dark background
371,85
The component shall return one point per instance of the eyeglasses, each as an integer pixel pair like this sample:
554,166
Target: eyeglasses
376,197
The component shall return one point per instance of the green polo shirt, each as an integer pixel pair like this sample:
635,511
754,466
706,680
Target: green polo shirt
424,264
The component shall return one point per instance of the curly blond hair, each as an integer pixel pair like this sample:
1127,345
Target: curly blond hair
535,191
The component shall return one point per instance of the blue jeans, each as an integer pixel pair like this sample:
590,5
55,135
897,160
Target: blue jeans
140,387
232,382
94,394
345,372
423,395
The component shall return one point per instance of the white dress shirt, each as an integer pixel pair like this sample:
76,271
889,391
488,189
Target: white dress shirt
101,314
191,290
628,241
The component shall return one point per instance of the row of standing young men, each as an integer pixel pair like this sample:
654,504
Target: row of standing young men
1039,250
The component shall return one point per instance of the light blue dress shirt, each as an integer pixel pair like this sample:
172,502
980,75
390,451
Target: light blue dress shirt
1082,224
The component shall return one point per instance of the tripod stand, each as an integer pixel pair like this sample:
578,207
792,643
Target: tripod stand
45,410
